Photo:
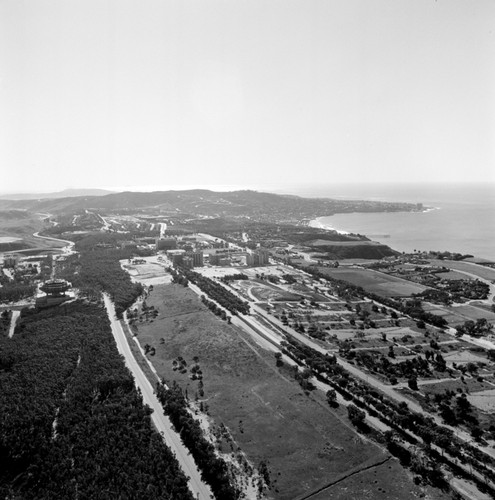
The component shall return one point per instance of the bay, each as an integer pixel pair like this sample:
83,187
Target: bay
461,218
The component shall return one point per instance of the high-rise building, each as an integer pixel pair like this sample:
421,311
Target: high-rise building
197,258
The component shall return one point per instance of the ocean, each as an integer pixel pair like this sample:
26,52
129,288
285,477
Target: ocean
461,219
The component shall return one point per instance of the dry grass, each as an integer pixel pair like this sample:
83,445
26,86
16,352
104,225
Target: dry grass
306,444
376,282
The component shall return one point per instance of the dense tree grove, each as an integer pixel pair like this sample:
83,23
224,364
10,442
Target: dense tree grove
213,469
100,270
13,292
234,277
72,424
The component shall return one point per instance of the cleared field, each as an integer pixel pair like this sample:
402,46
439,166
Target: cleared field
375,282
305,444
150,273
484,400
469,385
374,484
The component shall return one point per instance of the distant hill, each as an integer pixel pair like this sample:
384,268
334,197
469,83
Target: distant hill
252,205
59,194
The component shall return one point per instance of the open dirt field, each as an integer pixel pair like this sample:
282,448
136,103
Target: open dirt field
484,400
375,282
369,485
305,443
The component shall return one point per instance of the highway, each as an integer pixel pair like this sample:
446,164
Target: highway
199,489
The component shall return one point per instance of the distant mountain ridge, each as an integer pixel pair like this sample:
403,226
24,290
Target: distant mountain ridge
58,194
253,205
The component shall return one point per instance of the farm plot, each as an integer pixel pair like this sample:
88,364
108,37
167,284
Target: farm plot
375,282
305,444
457,315
463,357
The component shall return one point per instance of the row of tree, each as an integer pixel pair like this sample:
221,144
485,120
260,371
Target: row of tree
218,311
217,292
213,469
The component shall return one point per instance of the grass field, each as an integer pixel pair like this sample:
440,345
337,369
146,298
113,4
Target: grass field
369,485
375,282
468,385
305,443
480,271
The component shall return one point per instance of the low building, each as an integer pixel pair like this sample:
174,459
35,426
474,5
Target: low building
166,243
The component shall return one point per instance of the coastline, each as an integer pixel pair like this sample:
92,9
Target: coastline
316,223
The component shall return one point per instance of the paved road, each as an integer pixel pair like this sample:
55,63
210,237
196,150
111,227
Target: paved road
162,423
13,321
66,249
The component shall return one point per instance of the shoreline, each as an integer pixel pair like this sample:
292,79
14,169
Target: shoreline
316,223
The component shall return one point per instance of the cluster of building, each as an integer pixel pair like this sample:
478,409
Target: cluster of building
192,251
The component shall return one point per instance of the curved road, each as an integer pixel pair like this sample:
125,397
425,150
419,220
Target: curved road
161,421
67,248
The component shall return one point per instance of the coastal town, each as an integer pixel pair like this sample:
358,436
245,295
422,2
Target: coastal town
265,336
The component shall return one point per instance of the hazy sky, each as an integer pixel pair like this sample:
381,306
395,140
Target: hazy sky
98,93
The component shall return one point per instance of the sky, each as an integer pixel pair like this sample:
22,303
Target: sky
245,93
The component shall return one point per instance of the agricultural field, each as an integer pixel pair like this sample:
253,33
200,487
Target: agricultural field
375,282
305,444
457,315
